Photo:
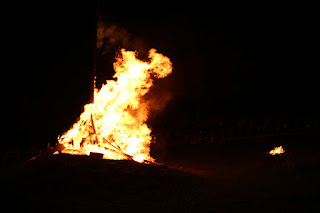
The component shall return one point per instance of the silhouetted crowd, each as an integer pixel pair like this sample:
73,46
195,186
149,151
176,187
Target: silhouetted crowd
222,130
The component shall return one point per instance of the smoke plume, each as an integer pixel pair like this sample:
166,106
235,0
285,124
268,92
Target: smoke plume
111,37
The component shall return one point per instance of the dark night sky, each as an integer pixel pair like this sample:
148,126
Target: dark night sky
227,59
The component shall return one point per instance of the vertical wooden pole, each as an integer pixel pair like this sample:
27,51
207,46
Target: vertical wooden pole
94,49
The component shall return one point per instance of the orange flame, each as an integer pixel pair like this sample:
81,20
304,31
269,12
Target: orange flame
277,151
115,124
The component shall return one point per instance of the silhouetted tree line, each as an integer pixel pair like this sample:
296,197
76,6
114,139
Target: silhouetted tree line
224,130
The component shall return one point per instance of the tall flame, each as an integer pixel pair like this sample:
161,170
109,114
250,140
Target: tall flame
115,124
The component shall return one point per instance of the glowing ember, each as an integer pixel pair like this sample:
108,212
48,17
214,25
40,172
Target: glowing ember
115,124
277,151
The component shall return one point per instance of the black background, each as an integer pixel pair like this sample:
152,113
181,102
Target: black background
229,60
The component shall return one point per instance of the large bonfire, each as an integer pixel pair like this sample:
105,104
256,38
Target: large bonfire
115,123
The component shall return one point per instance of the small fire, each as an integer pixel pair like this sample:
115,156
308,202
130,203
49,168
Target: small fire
115,123
277,151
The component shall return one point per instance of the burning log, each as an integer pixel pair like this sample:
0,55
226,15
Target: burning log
94,130
277,151
96,155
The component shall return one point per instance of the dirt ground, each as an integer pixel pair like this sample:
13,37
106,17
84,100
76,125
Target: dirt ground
237,177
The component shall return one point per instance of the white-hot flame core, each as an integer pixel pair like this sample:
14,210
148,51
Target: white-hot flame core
115,124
